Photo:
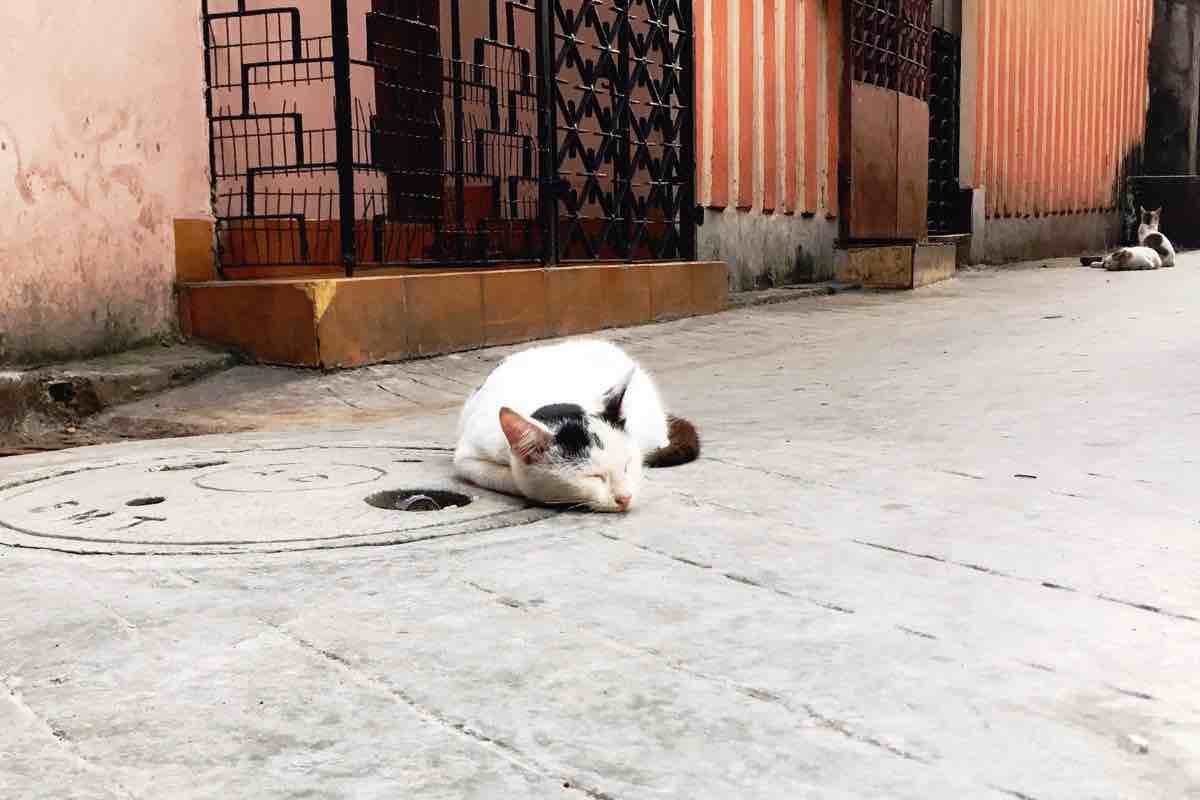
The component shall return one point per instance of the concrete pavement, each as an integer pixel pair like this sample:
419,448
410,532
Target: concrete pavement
940,544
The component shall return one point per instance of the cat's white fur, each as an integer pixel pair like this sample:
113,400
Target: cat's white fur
1147,223
1160,244
1150,236
581,371
1132,258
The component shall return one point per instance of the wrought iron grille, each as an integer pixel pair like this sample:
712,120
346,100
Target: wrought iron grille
944,192
890,44
428,132
623,128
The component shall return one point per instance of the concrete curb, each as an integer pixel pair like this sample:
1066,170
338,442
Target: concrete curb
786,294
70,392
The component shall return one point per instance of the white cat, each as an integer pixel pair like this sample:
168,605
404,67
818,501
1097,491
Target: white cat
1161,245
569,424
1147,222
1154,249
1132,258
1150,236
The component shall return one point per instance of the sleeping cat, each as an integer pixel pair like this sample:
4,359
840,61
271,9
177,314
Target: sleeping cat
1154,250
569,424
1131,258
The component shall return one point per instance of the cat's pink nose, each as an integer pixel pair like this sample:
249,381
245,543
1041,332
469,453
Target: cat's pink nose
623,501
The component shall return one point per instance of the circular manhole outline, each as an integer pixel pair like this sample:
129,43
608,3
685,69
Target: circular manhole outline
431,527
209,480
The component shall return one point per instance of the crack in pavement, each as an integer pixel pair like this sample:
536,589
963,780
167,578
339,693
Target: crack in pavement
506,750
1058,587
62,740
732,576
932,557
764,695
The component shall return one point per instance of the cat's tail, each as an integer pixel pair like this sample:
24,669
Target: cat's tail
683,445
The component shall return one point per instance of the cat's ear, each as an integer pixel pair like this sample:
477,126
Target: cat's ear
1157,212
614,400
1141,209
528,440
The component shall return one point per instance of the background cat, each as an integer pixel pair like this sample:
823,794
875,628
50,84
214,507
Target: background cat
1154,249
1147,222
1131,258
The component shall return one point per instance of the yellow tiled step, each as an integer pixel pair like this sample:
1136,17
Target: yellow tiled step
343,322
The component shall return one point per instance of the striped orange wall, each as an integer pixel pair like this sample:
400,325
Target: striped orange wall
767,104
1062,93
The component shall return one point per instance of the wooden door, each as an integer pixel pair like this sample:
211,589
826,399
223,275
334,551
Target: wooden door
886,128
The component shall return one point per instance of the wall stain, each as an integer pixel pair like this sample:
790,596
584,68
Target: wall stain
20,180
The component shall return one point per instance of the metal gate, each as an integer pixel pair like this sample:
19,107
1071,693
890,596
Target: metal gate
886,133
364,133
945,196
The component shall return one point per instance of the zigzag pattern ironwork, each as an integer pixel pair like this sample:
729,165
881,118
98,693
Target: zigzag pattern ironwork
624,127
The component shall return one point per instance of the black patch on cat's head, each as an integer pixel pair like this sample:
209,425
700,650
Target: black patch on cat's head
574,440
556,413
614,399
572,437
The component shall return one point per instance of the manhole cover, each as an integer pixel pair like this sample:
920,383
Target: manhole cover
266,500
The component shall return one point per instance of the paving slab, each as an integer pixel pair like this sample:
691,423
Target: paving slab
940,544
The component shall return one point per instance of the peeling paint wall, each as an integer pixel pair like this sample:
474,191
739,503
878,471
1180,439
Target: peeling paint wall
103,143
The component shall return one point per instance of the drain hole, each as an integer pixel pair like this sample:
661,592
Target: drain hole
145,501
417,500
61,391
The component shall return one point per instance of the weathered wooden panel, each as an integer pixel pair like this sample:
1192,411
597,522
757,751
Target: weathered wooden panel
912,166
874,176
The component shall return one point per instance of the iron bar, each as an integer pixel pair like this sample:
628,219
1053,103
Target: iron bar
344,122
687,99
547,128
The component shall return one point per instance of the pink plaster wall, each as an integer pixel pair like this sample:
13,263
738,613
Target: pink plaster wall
103,143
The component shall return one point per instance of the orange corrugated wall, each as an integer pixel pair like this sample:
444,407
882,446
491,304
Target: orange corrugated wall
767,101
1062,94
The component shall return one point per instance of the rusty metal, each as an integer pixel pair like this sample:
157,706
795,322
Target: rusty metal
890,44
913,36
